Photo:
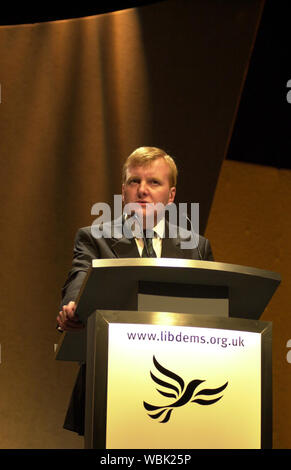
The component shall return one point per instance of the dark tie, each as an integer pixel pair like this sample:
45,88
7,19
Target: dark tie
148,252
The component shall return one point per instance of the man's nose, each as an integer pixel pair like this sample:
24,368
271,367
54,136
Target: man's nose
142,188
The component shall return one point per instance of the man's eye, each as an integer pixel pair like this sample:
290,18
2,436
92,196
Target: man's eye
155,182
133,181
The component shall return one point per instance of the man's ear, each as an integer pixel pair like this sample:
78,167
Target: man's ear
122,192
172,194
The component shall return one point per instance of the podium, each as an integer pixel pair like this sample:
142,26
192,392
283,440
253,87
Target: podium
176,356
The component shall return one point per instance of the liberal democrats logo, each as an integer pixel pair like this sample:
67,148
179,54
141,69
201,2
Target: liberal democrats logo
180,393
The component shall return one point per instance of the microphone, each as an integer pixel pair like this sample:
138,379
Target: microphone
195,235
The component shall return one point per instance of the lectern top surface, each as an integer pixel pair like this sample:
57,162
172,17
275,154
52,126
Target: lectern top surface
184,263
113,284
249,289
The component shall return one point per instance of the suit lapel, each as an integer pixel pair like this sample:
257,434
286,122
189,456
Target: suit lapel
124,248
171,248
127,248
121,247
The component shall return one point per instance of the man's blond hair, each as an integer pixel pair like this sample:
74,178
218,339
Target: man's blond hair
146,155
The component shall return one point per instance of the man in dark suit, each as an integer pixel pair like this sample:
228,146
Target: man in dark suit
149,182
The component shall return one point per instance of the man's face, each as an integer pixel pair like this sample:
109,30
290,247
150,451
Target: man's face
148,184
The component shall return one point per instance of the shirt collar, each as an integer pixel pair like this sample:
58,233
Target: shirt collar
159,229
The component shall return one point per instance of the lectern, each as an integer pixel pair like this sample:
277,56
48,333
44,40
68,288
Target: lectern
176,355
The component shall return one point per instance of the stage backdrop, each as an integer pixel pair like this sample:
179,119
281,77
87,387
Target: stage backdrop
77,97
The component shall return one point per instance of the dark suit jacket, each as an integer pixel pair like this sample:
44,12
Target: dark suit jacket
86,249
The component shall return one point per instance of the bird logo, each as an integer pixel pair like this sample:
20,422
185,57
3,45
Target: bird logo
180,393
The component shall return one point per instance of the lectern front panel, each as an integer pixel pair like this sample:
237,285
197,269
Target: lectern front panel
182,381
162,303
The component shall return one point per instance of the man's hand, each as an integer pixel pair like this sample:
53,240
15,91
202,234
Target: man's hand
67,321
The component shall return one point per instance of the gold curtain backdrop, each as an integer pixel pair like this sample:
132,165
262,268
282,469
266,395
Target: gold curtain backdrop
70,111
77,96
249,225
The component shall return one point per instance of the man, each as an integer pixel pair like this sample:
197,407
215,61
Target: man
149,178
